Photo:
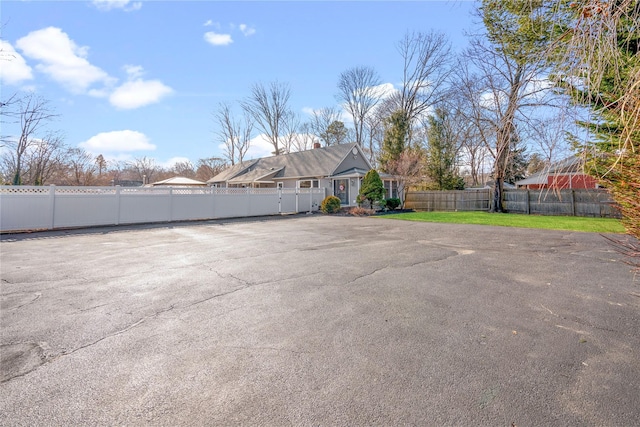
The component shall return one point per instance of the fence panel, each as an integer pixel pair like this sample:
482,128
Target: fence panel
84,210
462,200
37,208
190,206
24,208
263,202
145,206
593,203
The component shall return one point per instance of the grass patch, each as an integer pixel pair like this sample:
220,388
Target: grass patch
571,223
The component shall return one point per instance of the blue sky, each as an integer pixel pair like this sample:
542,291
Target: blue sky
142,78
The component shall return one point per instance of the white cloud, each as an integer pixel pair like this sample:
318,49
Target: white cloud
259,147
66,63
126,5
246,30
119,140
309,111
384,91
138,93
13,68
209,23
134,71
172,162
62,60
218,39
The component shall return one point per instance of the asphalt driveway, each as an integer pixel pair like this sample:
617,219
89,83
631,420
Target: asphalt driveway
317,320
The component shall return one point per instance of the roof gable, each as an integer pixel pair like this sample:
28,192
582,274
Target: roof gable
232,171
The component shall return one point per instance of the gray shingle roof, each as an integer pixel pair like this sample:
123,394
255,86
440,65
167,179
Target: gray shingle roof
571,164
319,162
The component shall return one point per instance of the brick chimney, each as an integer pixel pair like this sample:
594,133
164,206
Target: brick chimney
316,145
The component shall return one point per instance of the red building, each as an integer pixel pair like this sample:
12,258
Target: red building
565,174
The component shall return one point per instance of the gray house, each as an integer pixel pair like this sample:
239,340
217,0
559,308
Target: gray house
338,169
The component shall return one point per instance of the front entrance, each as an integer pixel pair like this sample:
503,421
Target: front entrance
341,190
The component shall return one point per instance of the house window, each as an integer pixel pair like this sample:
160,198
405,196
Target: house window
390,189
309,183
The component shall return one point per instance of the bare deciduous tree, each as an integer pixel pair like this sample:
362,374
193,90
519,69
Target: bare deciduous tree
184,169
7,115
359,94
269,108
290,126
144,169
43,159
320,122
210,167
234,133
81,167
305,138
426,67
32,113
510,60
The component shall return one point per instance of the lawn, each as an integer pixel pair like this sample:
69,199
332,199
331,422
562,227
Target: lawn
572,223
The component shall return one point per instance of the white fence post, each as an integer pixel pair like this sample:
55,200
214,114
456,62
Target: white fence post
52,206
117,205
170,203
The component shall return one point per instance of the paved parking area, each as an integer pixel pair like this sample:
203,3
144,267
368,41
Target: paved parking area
317,320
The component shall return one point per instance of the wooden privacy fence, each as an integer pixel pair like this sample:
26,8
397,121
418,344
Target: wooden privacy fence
46,208
462,200
593,203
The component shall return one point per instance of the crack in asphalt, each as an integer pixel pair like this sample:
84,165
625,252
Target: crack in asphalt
116,333
245,284
581,322
37,297
414,264
93,308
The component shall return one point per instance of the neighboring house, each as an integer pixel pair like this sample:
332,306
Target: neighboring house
338,169
489,185
565,174
178,181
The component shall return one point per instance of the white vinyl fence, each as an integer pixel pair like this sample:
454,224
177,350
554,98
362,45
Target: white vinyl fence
46,208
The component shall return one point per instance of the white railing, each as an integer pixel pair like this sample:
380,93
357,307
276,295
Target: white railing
46,208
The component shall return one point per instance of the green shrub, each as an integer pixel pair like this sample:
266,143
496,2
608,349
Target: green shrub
392,203
330,204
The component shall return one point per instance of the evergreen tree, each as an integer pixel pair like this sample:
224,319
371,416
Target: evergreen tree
394,142
372,188
336,133
441,154
603,38
518,161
